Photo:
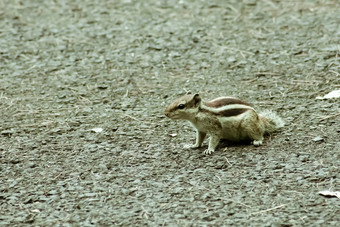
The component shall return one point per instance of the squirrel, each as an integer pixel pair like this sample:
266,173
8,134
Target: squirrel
223,118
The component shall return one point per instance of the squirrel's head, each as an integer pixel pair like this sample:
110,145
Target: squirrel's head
184,107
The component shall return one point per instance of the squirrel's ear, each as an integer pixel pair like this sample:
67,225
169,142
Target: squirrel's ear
197,98
189,92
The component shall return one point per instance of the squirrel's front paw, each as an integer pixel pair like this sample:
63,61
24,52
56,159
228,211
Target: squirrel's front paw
190,146
257,143
208,151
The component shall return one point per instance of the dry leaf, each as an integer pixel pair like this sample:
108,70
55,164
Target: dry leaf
333,94
330,194
97,130
318,139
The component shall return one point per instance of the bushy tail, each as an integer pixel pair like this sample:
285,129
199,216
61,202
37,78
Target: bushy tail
271,121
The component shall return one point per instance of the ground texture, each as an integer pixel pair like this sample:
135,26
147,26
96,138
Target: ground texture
67,67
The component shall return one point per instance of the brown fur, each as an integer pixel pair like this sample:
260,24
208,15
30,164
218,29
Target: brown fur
216,103
228,112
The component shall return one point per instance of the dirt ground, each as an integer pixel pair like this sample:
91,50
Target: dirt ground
69,68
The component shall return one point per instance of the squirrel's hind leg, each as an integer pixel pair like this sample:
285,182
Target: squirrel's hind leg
254,128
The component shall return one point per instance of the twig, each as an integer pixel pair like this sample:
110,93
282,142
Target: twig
126,115
46,110
58,176
252,80
274,208
236,49
239,203
306,81
330,116
136,119
267,73
146,213
233,8
334,72
228,161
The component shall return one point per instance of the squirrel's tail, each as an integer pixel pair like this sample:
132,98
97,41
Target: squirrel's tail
271,121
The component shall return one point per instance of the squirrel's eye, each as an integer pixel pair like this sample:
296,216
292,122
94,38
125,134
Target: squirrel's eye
181,106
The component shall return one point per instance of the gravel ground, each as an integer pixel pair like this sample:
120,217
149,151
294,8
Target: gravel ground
71,68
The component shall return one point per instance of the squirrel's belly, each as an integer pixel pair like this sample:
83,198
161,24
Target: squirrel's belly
232,130
232,135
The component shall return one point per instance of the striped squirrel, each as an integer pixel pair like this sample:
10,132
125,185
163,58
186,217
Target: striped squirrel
223,118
